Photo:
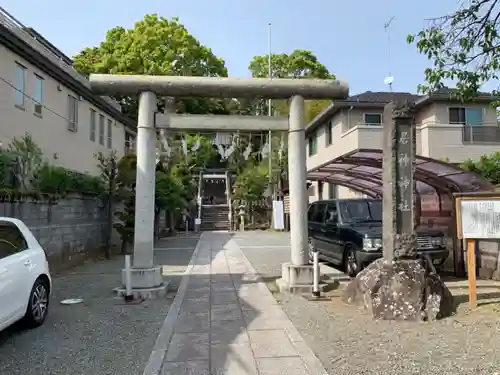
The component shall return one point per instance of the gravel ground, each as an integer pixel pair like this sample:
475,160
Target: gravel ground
100,336
349,341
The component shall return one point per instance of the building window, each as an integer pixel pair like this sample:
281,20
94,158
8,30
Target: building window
373,119
110,133
465,116
313,144
329,137
38,96
72,113
101,129
92,125
20,85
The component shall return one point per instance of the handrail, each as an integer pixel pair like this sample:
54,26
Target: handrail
198,198
228,195
363,125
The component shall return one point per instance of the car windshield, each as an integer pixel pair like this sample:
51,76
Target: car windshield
361,211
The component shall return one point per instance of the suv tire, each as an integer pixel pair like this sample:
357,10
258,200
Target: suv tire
350,262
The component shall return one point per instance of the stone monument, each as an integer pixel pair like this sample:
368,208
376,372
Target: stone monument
403,284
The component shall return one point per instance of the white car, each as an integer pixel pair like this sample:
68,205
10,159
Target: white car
25,282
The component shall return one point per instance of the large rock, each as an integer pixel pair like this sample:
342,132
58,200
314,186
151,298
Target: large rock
407,288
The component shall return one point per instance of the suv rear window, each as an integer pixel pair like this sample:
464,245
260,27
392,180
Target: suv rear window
12,240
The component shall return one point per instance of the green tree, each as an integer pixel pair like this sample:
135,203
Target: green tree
29,160
251,183
300,64
170,196
464,47
488,166
125,193
202,152
108,165
250,186
156,46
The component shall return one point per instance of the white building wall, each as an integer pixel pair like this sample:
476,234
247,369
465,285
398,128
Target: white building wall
70,149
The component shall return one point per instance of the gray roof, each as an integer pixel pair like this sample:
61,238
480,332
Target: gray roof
378,99
382,97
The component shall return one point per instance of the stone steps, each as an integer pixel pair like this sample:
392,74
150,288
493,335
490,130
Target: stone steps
214,218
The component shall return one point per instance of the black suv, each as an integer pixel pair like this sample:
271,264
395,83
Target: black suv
348,232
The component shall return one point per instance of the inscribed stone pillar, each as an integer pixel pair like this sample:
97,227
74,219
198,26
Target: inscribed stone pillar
398,184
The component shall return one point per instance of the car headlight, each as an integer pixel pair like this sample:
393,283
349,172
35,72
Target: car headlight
371,244
437,241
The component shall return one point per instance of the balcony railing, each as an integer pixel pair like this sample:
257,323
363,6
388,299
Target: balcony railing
346,127
480,134
18,29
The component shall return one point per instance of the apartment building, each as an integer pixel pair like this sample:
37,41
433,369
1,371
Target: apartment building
445,129
41,94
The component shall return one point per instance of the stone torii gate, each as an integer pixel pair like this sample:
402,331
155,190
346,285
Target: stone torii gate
147,279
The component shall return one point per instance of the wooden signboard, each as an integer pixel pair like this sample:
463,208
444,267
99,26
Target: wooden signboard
478,217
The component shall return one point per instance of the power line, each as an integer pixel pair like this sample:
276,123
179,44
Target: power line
34,101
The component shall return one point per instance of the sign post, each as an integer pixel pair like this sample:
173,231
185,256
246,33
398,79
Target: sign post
478,217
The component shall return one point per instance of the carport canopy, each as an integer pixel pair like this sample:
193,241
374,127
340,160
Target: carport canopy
361,170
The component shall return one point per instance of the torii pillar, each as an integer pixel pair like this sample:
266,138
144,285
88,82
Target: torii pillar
147,280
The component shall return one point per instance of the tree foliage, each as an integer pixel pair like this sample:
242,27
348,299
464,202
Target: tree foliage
170,193
108,165
464,47
125,193
251,183
29,158
156,46
488,166
300,64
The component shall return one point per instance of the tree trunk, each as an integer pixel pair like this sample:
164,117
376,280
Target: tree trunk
172,222
157,224
123,249
109,228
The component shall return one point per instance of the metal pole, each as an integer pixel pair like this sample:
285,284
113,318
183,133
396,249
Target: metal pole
316,291
128,280
298,191
270,113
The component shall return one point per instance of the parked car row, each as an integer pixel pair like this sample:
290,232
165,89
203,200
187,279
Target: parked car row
25,282
348,233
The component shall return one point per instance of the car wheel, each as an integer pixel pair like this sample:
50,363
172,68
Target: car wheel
350,262
38,305
311,246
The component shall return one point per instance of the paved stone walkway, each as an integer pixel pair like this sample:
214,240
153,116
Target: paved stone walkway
224,320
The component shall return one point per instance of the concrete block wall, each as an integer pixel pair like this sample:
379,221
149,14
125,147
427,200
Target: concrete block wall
70,230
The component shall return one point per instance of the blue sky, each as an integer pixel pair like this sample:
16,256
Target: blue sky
347,36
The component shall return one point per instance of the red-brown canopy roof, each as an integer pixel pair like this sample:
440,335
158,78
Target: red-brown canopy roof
362,170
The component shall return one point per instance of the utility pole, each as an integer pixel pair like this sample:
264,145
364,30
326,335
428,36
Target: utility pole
389,79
